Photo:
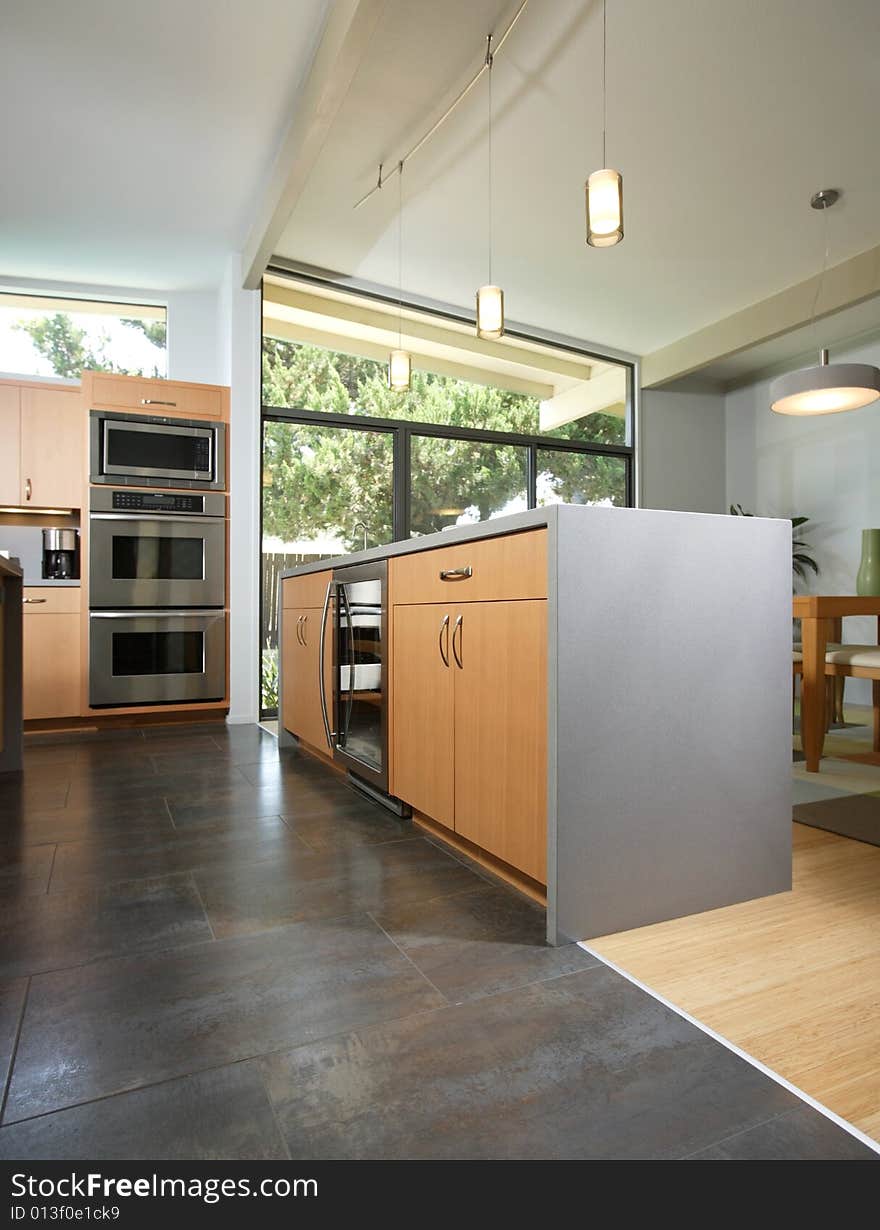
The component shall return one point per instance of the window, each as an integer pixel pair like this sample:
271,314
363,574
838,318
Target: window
60,337
347,462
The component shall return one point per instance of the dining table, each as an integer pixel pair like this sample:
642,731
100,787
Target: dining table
821,616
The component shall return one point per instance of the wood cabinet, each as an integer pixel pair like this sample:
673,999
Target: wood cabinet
43,458
469,718
51,652
422,711
487,569
306,591
10,444
53,448
300,665
165,398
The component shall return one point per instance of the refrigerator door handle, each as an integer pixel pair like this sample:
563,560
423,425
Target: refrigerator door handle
321,689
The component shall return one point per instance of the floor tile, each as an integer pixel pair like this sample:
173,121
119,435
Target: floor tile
800,1135
59,930
584,1066
210,803
479,943
252,898
24,870
852,815
110,859
120,1024
221,1115
148,784
12,995
34,792
84,823
344,824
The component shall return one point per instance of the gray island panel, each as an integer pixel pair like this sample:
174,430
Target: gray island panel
673,745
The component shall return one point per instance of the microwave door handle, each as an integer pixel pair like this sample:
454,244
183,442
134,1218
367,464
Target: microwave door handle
321,689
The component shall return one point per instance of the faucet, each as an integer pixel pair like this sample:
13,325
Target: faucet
362,525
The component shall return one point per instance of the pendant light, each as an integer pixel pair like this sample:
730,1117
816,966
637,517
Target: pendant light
490,298
828,388
604,188
400,360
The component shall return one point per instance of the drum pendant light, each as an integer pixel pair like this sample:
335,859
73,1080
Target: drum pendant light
490,298
400,360
604,188
828,388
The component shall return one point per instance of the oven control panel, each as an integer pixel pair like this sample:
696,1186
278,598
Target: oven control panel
146,501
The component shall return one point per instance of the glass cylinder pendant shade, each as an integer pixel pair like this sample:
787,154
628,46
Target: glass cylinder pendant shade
604,208
490,311
399,370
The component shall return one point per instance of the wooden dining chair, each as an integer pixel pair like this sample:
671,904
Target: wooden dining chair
847,662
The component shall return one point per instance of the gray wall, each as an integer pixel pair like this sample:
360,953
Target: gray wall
682,449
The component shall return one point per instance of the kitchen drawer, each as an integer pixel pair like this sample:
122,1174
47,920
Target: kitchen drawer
509,567
51,600
305,591
160,397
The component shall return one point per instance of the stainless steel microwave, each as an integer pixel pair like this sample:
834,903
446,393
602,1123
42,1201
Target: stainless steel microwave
140,451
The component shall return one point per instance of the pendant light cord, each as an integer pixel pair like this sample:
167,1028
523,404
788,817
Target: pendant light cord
489,62
604,88
400,256
821,281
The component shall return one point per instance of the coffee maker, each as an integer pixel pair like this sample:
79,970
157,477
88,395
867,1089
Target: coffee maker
60,555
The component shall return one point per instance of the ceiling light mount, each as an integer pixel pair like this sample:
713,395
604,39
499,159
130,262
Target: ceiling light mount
825,198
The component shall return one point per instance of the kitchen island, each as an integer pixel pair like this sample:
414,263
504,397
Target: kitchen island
10,666
593,702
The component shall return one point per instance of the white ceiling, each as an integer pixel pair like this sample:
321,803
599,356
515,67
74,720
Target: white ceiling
137,134
724,116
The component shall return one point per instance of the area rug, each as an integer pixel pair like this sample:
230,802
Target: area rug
850,815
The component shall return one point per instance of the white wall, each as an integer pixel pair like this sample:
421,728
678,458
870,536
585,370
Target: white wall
681,449
825,468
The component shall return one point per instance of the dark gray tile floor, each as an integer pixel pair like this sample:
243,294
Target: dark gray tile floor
212,950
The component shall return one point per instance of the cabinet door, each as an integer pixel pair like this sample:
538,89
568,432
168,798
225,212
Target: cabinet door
164,398
423,765
10,444
501,731
53,448
300,665
51,666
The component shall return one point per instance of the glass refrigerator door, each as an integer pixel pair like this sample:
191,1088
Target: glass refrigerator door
361,678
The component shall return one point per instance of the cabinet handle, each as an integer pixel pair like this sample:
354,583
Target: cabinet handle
299,623
28,489
444,625
456,574
305,620
153,401
35,600
456,653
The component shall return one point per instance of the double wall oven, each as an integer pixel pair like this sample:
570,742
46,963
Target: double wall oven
157,570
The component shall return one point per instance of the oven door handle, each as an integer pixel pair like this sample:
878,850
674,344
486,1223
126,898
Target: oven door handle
321,689
185,518
164,612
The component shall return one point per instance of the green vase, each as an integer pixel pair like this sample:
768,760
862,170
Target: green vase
868,580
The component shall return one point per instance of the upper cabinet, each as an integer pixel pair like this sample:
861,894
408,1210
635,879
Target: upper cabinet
10,444
42,459
165,398
53,448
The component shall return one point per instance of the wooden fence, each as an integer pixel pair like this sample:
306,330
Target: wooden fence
273,566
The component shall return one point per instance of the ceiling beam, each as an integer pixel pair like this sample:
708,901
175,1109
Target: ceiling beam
344,42
850,282
439,366
326,310
604,394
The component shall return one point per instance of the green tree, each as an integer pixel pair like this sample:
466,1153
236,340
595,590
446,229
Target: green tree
67,347
323,479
